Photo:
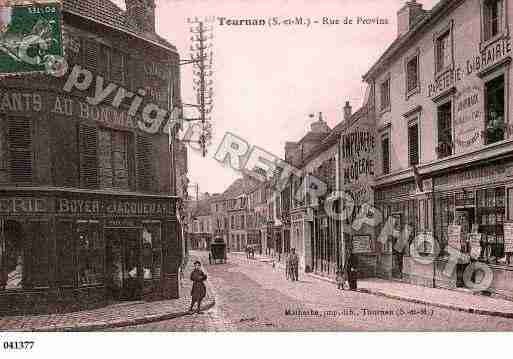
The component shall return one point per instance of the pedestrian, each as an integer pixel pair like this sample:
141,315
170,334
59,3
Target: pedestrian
294,264
199,290
340,279
353,277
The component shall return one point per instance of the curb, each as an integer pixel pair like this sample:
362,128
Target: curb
492,313
118,324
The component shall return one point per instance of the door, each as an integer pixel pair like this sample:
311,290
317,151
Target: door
124,262
397,256
465,218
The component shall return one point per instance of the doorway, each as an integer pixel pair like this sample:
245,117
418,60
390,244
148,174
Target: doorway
124,263
465,217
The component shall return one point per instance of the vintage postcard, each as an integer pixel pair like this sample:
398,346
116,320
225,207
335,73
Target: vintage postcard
255,166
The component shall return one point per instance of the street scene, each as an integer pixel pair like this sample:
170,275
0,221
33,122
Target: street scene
237,166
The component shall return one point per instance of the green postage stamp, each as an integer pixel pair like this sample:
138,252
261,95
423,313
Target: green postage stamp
30,35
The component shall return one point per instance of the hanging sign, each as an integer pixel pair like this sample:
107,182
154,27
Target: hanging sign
508,237
454,236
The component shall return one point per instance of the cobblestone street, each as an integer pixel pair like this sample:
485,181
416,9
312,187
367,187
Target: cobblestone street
253,296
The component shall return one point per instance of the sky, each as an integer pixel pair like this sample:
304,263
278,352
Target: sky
267,80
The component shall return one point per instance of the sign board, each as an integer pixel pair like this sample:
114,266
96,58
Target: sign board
30,36
508,237
361,244
454,236
475,244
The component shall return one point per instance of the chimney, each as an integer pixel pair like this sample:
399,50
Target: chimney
408,16
320,125
347,111
141,13
291,149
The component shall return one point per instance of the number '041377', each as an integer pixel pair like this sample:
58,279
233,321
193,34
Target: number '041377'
18,345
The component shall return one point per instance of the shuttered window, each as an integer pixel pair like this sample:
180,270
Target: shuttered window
114,160
117,66
88,144
444,147
413,144
91,55
385,147
144,166
19,138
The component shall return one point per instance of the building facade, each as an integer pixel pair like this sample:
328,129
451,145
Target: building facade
442,105
87,199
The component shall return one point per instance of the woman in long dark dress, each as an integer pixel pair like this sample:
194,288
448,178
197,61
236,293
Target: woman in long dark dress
199,290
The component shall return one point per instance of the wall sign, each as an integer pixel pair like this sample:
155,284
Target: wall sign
475,176
469,119
22,205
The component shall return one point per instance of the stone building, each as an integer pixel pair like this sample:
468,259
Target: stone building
442,105
87,195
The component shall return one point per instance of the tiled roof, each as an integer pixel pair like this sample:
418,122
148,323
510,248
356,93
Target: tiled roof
239,187
109,14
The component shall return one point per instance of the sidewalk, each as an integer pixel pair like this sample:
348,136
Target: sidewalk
113,316
460,300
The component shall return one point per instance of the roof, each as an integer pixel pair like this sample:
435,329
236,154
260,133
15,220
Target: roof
199,208
240,186
109,14
429,17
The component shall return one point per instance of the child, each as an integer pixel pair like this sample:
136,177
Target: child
340,279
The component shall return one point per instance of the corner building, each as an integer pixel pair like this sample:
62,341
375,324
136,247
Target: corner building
87,199
443,111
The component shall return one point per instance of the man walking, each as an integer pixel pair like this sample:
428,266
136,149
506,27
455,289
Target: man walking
294,264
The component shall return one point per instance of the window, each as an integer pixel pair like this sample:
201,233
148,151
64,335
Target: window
412,74
152,251
12,256
90,253
413,144
114,159
444,147
232,223
443,52
385,95
493,18
385,148
490,217
65,254
495,124
38,231
19,142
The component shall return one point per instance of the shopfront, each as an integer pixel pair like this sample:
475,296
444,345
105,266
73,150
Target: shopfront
472,213
67,251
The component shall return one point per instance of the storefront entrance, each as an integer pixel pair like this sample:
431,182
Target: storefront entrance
124,263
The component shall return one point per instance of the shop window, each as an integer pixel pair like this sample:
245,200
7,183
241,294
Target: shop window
385,95
90,253
444,216
490,217
413,144
385,148
12,256
495,124
412,74
19,142
65,254
114,159
443,52
493,18
152,251
40,247
444,147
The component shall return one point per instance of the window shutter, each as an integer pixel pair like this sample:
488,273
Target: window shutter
91,55
144,167
19,137
413,145
88,143
118,64
385,144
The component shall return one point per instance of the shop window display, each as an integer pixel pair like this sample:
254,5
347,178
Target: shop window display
152,251
12,256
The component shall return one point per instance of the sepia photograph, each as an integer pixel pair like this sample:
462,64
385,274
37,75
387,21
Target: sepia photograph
275,167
